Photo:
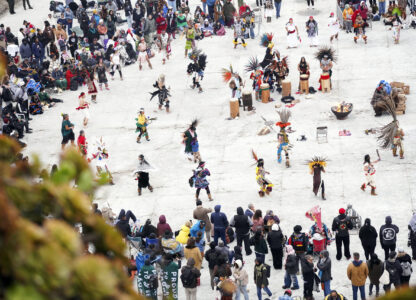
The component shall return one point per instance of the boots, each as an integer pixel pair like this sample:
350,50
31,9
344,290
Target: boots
287,163
94,98
139,191
401,153
355,39
160,106
150,188
261,193
373,191
167,109
394,151
210,198
138,139
200,90
363,187
365,39
323,196
332,37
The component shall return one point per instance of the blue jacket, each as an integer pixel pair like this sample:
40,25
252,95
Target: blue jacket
38,50
218,218
195,228
25,50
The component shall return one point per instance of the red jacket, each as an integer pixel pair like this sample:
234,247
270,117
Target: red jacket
161,24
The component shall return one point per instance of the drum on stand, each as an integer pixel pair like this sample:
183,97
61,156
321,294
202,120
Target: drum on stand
304,84
234,108
247,100
286,88
265,93
325,82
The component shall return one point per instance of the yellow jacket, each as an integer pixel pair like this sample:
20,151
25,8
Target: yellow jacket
347,14
183,235
141,119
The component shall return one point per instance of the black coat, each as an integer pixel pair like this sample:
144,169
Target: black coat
341,225
307,270
124,227
275,239
241,223
388,234
395,270
368,235
291,265
325,267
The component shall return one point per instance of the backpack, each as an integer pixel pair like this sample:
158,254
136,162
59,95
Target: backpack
153,282
267,267
407,268
188,278
140,259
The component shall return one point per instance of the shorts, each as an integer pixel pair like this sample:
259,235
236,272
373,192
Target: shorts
67,138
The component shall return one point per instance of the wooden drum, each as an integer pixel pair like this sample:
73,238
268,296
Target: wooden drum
247,100
325,82
234,108
265,92
304,84
286,88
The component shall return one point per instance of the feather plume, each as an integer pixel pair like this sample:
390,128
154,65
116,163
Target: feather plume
202,61
284,115
194,123
266,38
227,74
317,160
252,65
195,53
326,50
254,155
389,131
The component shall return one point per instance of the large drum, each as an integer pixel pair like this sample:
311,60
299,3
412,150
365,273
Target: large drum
304,84
325,82
286,88
234,108
247,100
265,93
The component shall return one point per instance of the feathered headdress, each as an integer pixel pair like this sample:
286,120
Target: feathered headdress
284,115
194,54
316,160
389,131
227,74
326,50
202,61
194,123
254,155
252,65
266,39
285,61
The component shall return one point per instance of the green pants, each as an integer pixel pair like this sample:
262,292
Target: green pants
61,84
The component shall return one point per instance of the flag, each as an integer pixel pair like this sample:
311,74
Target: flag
315,215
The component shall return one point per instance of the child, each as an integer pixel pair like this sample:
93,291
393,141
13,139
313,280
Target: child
84,106
200,243
82,143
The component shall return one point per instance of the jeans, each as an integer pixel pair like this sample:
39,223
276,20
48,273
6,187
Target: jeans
211,11
355,292
173,5
241,289
381,8
277,5
129,21
266,289
245,239
219,233
289,279
327,287
190,293
128,215
204,7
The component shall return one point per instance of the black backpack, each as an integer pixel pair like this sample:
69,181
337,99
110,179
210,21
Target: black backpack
153,282
267,270
188,278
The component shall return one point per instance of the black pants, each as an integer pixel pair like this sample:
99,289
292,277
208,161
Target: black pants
307,287
277,255
259,2
388,286
404,280
413,250
368,250
199,189
387,250
245,239
310,2
371,288
26,2
195,82
339,240
11,6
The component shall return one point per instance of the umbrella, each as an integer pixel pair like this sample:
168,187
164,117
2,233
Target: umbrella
78,31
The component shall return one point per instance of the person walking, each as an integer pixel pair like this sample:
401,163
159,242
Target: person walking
276,240
277,6
368,236
260,279
260,246
241,279
189,277
201,213
388,237
375,270
220,222
242,224
67,131
324,266
406,264
357,273
291,269
394,268
11,6
308,276
341,226
412,234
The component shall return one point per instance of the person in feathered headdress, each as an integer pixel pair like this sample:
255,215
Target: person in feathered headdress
190,139
267,41
391,135
326,57
282,136
101,155
265,185
162,92
256,75
197,67
316,167
240,27
235,82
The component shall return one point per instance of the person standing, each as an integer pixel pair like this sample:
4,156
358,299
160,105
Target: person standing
201,213
260,279
169,277
394,268
277,5
241,279
357,273
308,276
251,210
406,264
388,237
220,222
375,270
368,236
412,235
311,2
142,176
191,251
292,268
260,245
189,278
242,224
275,239
211,257
312,31
381,7
147,281
67,131
293,39
324,266
299,242
341,226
